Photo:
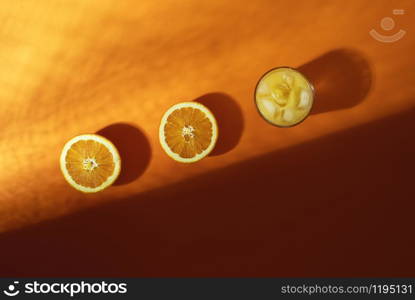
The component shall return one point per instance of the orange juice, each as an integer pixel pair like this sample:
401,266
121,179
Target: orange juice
284,97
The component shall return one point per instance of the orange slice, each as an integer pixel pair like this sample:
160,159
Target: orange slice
90,163
188,132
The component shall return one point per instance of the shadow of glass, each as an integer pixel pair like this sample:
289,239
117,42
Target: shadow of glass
342,79
134,149
230,120
335,206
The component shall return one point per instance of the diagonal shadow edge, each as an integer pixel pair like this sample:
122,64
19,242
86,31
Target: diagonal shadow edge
241,206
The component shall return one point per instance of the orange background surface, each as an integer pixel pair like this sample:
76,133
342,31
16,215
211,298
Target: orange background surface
330,197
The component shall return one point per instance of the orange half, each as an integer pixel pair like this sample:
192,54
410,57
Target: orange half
188,132
90,163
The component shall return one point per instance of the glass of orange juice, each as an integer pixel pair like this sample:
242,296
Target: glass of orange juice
284,97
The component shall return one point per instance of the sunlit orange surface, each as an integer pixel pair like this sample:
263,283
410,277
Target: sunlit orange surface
114,67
